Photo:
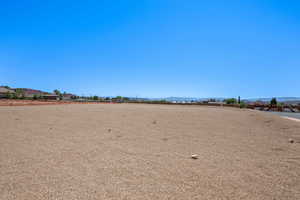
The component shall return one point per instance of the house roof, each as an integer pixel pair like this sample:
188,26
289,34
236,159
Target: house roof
50,95
68,95
5,90
29,91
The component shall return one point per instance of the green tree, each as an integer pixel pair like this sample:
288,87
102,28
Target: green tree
273,102
9,95
15,96
59,94
231,101
243,104
19,93
35,96
95,98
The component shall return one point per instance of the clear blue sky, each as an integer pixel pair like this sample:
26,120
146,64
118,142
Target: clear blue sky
152,48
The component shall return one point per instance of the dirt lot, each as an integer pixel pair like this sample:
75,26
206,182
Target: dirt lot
129,151
18,102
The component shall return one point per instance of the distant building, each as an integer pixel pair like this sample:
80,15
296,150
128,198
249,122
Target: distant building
5,91
68,96
30,93
50,96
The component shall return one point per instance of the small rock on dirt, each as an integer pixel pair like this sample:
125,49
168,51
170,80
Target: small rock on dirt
291,140
194,156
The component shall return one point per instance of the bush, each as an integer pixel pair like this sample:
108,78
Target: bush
14,96
231,101
243,104
9,95
19,94
273,102
95,98
35,97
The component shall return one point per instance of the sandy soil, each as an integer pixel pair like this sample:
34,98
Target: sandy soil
129,151
19,102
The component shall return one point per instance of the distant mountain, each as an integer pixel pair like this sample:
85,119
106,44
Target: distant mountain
185,99
279,99
180,99
290,100
32,91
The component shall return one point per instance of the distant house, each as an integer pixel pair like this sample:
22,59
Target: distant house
5,91
68,96
30,93
50,96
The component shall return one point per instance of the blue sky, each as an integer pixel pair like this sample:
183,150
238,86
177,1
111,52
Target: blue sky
152,48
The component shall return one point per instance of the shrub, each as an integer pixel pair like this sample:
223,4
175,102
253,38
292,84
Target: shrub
9,95
231,101
95,98
19,93
243,104
35,97
273,102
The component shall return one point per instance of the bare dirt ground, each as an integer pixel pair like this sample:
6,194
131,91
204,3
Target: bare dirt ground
129,151
19,102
